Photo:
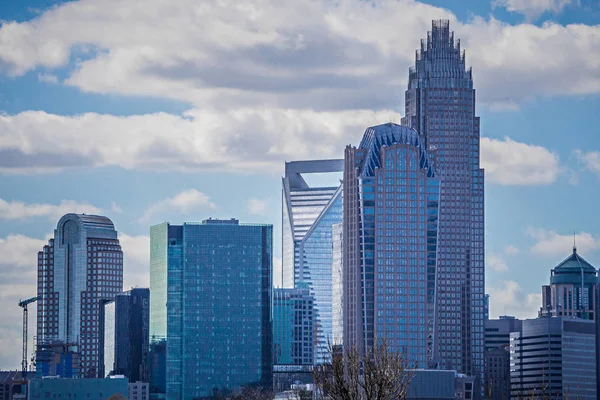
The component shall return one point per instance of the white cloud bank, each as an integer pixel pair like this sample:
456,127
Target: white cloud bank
590,160
508,298
533,8
551,243
18,209
184,203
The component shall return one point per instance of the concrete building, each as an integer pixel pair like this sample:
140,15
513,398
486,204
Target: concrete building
81,266
39,388
309,213
139,391
293,327
217,300
125,337
440,106
552,357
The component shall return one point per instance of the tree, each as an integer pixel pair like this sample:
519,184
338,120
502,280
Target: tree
380,374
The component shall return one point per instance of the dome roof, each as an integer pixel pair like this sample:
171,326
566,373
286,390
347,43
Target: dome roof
569,271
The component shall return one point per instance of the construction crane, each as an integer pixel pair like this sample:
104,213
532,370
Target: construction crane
23,304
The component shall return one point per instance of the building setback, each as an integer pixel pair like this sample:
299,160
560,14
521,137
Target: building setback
391,203
81,266
440,106
125,343
309,212
550,357
218,305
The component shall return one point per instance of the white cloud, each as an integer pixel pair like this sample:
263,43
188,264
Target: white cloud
532,8
47,78
19,209
184,203
511,250
496,263
243,140
257,206
136,260
21,252
548,242
591,160
318,54
508,298
114,207
509,162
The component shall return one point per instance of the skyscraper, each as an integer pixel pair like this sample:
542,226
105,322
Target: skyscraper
337,290
80,267
217,305
293,326
440,106
126,335
309,214
391,203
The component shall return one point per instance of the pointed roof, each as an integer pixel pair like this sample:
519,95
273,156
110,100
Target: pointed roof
574,263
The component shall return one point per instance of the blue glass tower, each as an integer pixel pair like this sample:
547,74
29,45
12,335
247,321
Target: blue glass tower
440,105
391,211
218,306
293,327
309,214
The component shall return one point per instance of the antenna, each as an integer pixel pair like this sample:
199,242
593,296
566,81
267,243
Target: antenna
574,243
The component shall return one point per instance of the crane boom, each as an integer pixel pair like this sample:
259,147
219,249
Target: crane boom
23,304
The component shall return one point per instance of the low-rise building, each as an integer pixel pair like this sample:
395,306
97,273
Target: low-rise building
93,388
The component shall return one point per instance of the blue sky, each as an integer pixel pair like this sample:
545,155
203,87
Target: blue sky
147,112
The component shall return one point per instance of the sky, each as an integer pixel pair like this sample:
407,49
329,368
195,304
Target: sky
152,111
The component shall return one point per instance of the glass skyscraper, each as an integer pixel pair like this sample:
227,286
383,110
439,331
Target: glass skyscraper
293,326
217,305
391,211
440,106
309,214
337,290
80,267
126,335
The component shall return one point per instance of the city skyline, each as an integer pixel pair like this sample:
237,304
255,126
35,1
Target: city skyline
530,207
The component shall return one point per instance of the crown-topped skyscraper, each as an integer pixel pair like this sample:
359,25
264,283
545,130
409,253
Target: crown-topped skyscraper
440,106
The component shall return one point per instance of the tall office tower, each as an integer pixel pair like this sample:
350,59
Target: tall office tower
391,203
497,356
552,358
218,304
337,290
571,289
125,343
293,326
80,267
308,216
440,105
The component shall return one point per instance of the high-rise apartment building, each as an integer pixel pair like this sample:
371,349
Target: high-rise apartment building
552,358
293,326
391,206
440,106
81,266
125,337
309,212
216,290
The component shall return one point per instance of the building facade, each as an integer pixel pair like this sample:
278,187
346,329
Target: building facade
39,388
440,106
293,327
218,305
497,356
550,357
337,287
81,266
570,292
497,331
126,335
309,212
391,206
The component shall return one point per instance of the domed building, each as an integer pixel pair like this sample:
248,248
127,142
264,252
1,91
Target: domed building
564,296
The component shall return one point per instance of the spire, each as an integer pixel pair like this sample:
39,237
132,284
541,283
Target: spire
574,244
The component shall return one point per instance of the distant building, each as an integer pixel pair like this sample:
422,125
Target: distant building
486,305
431,384
497,331
13,386
553,357
337,287
126,343
570,292
57,359
293,326
158,368
309,212
81,266
139,391
217,302
39,388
